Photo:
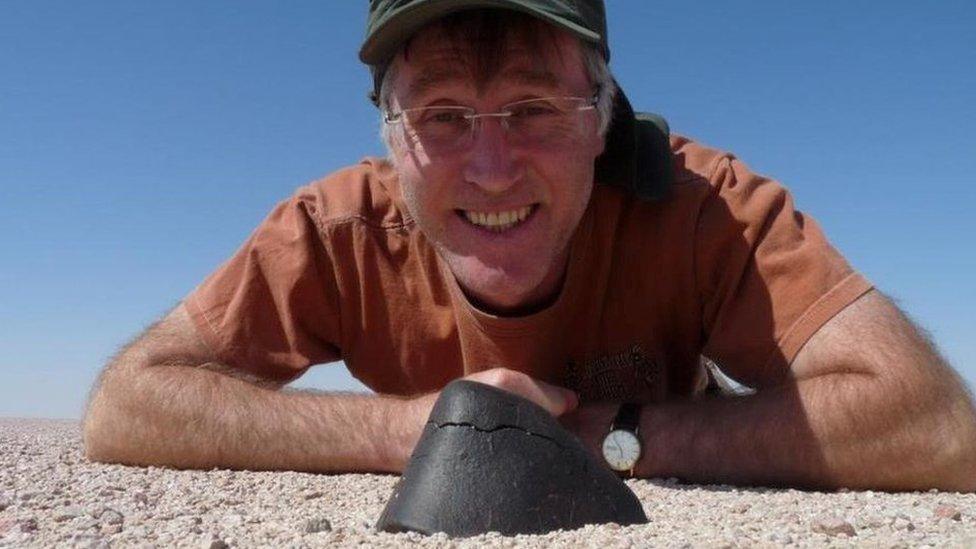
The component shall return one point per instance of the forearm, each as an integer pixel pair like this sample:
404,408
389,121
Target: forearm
870,404
191,417
832,431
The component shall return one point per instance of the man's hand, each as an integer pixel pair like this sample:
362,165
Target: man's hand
556,400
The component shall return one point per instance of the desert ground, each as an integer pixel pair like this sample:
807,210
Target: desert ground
51,496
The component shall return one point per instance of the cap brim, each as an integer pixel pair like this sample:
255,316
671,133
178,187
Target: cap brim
401,24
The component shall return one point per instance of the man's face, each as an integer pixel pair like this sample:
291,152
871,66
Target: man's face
451,196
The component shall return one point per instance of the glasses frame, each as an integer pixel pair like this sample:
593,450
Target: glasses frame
503,114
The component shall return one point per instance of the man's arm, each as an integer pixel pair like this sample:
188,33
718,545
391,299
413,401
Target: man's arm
870,405
164,400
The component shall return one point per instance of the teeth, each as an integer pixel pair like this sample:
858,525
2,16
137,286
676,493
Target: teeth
498,221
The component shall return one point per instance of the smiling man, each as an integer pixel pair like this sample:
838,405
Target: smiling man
529,231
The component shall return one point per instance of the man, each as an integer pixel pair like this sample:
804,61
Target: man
530,232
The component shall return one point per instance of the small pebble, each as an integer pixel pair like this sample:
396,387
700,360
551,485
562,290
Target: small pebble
28,524
833,526
232,521
111,516
947,512
109,529
86,523
214,543
67,513
314,525
740,508
903,522
86,540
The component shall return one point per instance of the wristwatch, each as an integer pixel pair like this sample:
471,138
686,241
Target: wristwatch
622,445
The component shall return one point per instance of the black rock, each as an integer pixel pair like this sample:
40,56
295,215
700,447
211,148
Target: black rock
490,461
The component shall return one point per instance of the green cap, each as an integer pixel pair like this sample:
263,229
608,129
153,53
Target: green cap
636,155
391,22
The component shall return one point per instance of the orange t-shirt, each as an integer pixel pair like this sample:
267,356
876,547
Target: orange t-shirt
725,267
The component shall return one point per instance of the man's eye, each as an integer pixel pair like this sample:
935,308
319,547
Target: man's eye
443,117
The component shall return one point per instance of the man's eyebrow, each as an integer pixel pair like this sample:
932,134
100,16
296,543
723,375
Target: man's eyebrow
431,77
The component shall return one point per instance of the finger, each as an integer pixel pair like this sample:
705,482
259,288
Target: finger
558,400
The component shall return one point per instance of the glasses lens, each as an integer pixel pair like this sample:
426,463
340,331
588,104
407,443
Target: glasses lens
439,127
544,121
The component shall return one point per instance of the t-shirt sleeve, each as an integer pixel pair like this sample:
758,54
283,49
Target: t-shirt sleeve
767,277
270,310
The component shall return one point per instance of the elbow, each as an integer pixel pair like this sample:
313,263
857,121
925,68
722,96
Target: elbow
95,446
930,441
100,432
943,455
958,450
108,425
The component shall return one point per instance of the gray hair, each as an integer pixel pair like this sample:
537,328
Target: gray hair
593,62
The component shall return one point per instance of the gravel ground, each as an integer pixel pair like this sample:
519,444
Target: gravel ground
51,496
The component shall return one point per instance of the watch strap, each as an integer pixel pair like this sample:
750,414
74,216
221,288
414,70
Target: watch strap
628,417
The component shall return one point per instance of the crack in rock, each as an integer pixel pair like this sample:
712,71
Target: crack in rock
496,429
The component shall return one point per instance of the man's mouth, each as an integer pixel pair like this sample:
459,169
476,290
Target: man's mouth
498,221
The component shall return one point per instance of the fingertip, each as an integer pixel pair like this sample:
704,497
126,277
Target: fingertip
572,401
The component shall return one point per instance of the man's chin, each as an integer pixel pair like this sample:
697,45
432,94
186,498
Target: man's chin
498,289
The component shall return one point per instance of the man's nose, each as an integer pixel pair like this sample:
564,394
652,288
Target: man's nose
492,164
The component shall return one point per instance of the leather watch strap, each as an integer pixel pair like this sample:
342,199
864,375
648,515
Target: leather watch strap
628,417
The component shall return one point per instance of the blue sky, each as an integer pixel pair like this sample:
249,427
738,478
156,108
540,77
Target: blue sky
141,142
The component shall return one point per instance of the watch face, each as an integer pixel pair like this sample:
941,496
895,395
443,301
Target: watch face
621,449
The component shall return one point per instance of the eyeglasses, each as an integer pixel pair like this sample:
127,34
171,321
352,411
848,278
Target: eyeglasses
542,122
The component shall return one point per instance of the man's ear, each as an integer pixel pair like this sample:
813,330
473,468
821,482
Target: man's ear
599,142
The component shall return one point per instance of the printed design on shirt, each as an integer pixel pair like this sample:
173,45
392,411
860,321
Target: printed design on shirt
629,374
